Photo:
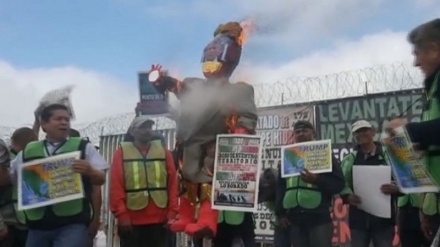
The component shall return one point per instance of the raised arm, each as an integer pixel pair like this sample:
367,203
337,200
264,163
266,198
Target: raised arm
163,82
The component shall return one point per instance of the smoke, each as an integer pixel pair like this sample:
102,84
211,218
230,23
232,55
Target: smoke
286,22
202,107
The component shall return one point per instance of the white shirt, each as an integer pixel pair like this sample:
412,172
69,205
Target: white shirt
91,155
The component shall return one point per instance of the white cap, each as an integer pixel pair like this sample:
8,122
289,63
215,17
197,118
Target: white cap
359,125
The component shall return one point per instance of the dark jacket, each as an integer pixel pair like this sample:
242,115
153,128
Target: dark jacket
329,184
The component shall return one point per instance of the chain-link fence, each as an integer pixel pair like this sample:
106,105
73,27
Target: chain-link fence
376,79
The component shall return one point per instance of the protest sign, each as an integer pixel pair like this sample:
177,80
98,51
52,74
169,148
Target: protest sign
49,181
315,156
237,170
408,167
153,100
275,126
335,117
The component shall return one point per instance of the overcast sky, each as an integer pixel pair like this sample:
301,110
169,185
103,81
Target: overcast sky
98,46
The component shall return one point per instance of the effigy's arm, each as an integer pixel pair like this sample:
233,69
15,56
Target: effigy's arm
245,117
172,85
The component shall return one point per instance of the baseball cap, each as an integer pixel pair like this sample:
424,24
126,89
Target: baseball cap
359,125
302,124
140,121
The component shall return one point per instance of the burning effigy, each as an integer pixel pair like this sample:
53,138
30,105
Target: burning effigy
208,107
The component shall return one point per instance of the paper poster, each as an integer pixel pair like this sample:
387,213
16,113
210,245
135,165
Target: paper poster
367,181
237,170
408,167
315,156
153,100
48,181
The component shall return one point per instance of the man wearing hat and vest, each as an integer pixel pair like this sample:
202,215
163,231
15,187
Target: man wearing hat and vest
62,224
365,227
425,40
143,187
304,203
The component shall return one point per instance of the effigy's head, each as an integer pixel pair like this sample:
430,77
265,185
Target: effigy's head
222,55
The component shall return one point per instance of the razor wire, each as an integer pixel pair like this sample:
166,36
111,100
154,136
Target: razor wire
296,89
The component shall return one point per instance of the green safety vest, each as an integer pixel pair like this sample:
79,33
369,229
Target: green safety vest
430,203
78,210
12,155
145,176
302,194
21,218
347,169
413,199
231,217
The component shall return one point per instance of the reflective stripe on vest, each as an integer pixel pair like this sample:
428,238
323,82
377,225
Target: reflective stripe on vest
19,215
231,217
145,176
37,150
302,194
432,160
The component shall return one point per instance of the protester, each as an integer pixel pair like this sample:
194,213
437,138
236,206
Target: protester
267,194
410,231
14,219
20,138
46,227
304,202
425,40
96,203
143,188
5,193
365,227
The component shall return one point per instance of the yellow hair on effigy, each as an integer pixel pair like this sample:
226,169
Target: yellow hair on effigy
232,29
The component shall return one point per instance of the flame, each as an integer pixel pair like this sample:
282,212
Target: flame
248,27
231,122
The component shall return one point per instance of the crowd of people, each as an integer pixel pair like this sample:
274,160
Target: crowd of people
153,196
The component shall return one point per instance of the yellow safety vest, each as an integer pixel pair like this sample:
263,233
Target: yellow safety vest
145,176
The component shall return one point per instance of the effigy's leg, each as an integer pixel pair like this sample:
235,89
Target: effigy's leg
187,210
206,225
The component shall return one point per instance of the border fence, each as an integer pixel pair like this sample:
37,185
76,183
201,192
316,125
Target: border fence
331,102
332,120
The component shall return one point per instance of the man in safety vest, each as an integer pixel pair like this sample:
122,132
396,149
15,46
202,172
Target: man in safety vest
143,187
365,227
62,224
425,40
96,202
304,203
14,219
